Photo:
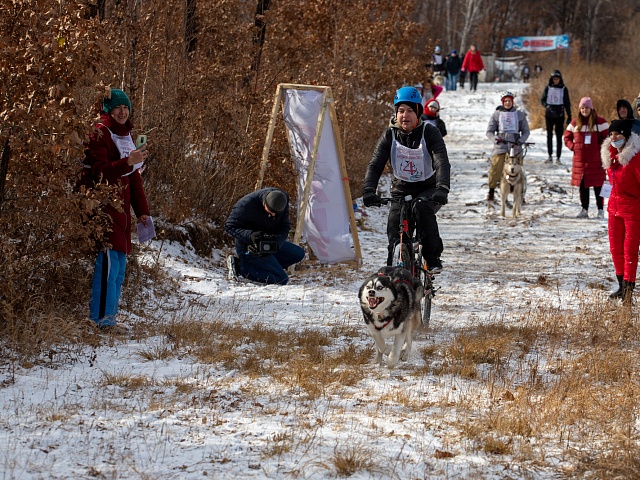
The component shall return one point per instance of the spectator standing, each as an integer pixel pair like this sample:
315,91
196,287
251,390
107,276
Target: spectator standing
453,66
584,136
624,111
262,216
620,155
473,64
555,100
111,157
537,70
507,124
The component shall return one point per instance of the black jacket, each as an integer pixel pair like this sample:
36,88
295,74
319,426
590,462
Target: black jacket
556,111
248,215
453,65
435,145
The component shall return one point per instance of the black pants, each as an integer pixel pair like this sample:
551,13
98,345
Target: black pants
556,124
473,81
424,214
584,196
463,77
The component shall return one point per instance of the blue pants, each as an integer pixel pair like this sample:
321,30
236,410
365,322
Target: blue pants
108,275
453,81
270,268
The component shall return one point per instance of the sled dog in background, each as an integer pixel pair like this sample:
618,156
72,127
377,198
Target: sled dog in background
513,181
390,302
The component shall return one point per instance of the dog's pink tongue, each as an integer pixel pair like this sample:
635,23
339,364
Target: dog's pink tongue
374,301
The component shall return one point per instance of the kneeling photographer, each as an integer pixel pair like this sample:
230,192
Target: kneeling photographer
260,224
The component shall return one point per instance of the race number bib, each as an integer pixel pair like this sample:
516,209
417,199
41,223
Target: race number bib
555,96
605,192
411,164
508,122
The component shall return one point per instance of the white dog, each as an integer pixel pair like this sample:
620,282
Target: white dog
513,181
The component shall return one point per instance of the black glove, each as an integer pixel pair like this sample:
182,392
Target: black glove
370,198
256,237
441,196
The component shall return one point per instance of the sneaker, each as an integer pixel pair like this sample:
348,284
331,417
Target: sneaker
558,162
583,214
600,214
549,160
233,264
435,265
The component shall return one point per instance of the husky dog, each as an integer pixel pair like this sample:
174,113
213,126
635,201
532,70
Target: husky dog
513,181
390,302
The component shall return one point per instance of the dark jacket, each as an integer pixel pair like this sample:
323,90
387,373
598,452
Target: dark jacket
104,162
435,146
453,65
248,215
557,111
437,122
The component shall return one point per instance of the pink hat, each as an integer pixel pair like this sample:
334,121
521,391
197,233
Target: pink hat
433,102
586,102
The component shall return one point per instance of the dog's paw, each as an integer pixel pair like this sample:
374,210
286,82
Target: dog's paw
378,360
404,355
392,361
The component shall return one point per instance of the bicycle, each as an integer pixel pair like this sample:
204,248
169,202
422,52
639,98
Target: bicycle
408,254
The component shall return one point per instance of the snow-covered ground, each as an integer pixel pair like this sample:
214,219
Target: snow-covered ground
68,422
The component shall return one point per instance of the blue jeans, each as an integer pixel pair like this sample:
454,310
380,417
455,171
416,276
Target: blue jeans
108,275
270,269
453,81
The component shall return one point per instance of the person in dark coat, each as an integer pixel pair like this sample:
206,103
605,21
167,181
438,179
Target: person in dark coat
555,100
111,156
584,136
262,218
453,66
421,168
620,155
624,111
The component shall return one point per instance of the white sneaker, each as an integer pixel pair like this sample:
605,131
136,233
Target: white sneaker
233,266
549,160
583,214
600,214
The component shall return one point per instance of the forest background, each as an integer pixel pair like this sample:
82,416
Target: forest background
202,76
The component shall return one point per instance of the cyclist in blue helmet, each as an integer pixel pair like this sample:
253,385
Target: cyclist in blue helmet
421,168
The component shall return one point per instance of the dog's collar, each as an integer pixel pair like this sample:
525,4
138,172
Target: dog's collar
382,327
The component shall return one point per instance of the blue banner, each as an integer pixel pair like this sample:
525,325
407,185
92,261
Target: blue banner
537,44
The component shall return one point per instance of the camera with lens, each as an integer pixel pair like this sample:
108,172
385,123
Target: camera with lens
267,245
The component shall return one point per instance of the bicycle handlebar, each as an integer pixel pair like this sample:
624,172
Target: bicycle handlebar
526,144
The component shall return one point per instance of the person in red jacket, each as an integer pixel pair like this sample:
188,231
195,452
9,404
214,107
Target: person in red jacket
620,154
111,157
473,64
584,136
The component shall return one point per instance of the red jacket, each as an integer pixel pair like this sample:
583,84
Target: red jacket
472,62
586,156
103,157
623,169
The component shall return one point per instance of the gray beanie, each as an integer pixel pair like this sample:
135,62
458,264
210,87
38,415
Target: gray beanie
276,201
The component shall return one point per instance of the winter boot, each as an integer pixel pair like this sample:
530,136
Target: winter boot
617,293
584,213
491,195
627,291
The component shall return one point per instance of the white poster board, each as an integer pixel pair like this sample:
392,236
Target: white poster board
326,225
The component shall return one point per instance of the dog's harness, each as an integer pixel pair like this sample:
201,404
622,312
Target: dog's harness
382,327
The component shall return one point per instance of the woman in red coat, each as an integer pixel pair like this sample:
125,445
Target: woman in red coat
473,64
584,136
111,157
621,157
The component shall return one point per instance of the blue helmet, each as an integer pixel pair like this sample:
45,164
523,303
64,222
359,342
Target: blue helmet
407,94
410,96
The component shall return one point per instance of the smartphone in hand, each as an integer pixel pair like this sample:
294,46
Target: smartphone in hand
140,141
